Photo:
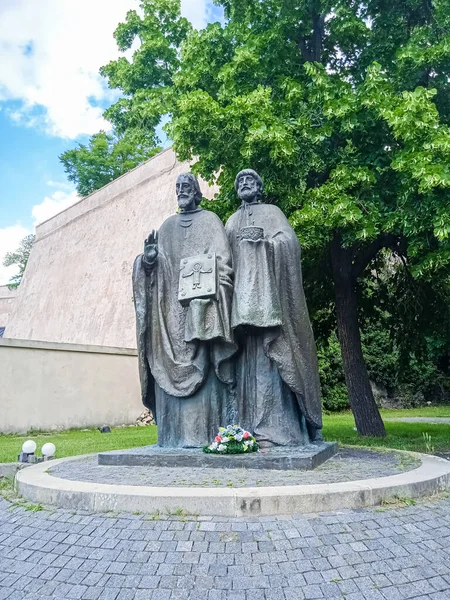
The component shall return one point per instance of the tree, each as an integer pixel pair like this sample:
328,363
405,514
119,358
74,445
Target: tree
19,258
333,103
342,106
105,158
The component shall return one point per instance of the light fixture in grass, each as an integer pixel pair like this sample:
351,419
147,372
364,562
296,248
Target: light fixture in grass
232,440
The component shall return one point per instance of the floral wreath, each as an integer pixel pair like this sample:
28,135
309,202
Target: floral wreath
232,440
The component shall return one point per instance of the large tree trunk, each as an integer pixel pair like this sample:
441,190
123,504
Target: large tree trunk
367,416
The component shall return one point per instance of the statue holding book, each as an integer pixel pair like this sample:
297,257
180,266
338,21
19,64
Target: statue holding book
223,330
183,287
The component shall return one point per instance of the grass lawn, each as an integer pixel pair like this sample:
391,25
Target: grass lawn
404,436
338,427
78,441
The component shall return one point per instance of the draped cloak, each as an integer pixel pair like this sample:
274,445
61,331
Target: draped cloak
277,369
184,351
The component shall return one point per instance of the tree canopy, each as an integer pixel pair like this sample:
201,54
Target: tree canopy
105,158
342,106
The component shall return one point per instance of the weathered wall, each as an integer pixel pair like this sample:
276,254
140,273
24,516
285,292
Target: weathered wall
77,285
7,297
47,386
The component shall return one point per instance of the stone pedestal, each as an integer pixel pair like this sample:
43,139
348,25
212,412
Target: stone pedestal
280,458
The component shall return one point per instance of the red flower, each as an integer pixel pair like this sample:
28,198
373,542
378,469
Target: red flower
246,435
218,438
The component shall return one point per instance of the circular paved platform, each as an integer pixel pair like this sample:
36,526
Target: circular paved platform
240,496
350,464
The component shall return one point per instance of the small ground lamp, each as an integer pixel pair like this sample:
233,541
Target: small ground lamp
48,451
28,452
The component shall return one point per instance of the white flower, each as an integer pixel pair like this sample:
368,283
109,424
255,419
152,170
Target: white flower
221,448
213,446
251,442
225,440
239,437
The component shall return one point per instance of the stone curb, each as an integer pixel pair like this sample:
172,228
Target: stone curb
36,485
10,469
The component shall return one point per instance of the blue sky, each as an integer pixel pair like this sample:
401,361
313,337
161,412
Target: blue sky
51,97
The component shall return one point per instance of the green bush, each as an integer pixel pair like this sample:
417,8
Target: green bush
334,390
410,381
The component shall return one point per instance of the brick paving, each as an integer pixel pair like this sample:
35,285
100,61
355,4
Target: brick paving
384,554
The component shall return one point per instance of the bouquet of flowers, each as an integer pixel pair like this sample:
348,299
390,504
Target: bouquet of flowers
232,440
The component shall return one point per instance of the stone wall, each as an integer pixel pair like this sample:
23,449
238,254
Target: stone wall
77,285
58,386
7,297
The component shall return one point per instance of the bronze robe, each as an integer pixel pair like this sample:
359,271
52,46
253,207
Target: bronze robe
278,387
184,351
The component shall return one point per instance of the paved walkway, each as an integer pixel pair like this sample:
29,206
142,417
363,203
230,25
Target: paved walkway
384,554
431,420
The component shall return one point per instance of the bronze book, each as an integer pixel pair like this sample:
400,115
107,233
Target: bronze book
198,277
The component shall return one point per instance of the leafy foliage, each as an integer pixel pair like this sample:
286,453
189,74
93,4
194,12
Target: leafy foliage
20,259
105,158
334,390
342,106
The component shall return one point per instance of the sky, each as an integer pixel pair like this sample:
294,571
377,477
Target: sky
51,97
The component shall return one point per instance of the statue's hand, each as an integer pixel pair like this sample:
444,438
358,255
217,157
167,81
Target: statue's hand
150,250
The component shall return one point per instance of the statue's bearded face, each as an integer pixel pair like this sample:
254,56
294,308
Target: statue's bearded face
247,188
185,194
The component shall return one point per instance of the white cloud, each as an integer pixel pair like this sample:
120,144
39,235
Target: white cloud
10,238
52,205
50,54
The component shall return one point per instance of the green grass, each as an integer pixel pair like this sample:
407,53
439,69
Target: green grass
403,436
339,427
77,441
428,411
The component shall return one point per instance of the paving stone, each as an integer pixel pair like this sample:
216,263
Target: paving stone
360,555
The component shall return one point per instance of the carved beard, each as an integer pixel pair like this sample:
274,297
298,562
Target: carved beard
248,195
185,201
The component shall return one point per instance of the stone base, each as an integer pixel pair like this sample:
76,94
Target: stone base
279,458
36,484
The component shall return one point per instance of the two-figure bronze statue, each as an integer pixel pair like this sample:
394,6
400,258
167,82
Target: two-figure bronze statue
223,330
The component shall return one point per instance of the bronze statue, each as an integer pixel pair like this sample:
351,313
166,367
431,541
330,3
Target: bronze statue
277,377
183,288
191,321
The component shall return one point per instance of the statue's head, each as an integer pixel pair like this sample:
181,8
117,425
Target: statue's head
189,195
248,185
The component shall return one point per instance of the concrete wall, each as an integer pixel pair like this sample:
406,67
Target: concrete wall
51,386
7,297
77,285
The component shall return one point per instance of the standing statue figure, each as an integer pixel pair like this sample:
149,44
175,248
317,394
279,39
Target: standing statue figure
278,389
183,287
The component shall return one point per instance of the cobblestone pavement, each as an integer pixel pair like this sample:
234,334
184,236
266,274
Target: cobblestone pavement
347,465
385,554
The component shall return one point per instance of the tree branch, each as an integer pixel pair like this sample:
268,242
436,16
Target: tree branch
317,36
369,252
311,49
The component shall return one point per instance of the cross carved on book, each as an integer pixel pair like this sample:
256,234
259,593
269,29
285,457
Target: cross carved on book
197,271
198,277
